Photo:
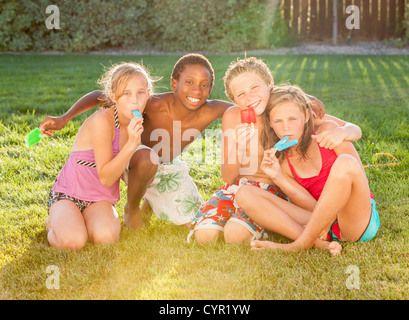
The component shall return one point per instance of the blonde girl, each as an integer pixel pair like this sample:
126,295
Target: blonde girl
81,202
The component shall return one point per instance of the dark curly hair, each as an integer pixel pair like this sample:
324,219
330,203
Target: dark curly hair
192,58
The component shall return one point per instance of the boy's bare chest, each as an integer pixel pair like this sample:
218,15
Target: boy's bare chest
170,137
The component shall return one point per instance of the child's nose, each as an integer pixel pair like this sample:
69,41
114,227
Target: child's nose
196,87
135,99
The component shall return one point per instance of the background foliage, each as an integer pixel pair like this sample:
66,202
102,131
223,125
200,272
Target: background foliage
171,25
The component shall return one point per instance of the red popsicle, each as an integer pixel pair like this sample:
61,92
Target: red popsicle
248,116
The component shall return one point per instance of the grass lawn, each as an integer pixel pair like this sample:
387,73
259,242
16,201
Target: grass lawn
157,263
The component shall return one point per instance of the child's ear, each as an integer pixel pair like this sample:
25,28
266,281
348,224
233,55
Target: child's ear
112,96
307,115
173,84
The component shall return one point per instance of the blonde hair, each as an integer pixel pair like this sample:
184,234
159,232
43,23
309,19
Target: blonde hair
251,64
115,80
279,95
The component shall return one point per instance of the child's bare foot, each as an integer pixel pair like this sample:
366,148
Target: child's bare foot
335,248
259,245
133,220
47,223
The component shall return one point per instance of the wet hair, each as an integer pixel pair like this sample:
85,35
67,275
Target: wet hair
116,78
251,64
192,58
278,96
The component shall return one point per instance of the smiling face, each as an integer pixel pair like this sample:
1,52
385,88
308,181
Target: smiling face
250,91
134,97
193,87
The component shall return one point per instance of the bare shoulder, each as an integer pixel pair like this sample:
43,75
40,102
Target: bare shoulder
326,125
158,100
216,107
101,119
231,117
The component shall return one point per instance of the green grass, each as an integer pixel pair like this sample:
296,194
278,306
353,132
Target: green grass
157,263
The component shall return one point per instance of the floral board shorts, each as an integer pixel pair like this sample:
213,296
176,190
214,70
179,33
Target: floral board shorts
173,196
221,208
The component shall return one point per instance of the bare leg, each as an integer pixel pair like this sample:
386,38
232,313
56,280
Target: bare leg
102,222
236,233
272,212
346,197
141,173
277,215
66,226
208,235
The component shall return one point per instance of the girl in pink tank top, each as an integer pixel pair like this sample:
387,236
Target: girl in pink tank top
81,202
325,186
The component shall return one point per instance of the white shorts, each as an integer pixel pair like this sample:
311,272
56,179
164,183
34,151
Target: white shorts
172,195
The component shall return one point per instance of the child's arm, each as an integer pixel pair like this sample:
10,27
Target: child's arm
110,168
333,137
283,179
345,147
235,137
86,103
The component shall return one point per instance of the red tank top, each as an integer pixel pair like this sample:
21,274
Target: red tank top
315,184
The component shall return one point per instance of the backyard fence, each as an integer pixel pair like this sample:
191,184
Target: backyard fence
313,19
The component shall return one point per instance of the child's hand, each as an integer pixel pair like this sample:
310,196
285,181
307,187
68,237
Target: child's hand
330,138
270,164
52,123
135,130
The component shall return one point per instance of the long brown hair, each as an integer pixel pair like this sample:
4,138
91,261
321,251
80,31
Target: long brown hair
279,95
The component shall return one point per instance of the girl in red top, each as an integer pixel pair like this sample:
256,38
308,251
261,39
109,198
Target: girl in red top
328,189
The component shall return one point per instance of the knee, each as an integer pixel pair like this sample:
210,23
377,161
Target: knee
242,197
72,242
204,236
105,234
144,161
235,233
345,165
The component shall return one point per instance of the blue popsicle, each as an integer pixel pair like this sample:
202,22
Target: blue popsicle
136,113
283,144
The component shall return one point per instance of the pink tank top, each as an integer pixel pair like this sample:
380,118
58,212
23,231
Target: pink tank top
79,178
315,184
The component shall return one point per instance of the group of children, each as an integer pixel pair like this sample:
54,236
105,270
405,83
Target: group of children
315,193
